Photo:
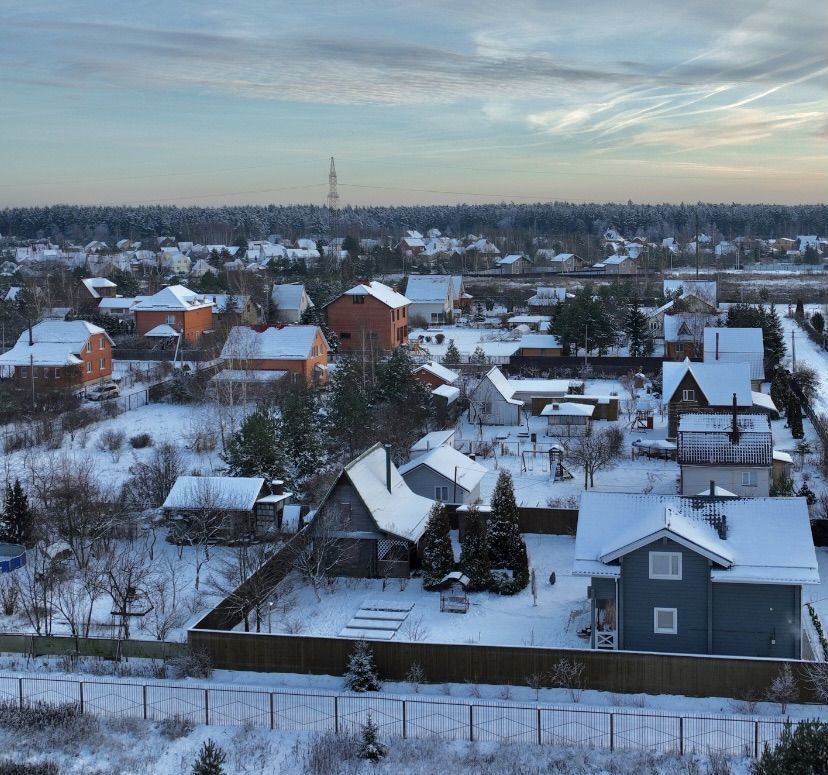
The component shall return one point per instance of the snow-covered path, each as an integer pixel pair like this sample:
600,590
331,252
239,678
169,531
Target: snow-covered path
807,352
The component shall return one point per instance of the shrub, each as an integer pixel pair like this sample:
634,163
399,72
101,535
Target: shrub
327,752
210,759
140,441
568,674
8,767
111,440
783,689
800,751
74,421
175,727
439,338
191,664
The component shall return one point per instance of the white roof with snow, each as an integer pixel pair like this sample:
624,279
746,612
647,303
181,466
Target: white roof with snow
441,372
704,289
400,512
56,343
540,341
162,330
434,439
383,293
717,381
542,387
288,343
708,439
449,392
568,410
428,288
451,464
234,493
502,385
93,283
513,258
116,302
763,401
736,345
173,298
289,296
766,540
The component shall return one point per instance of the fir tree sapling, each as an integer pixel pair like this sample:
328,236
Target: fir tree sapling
452,355
438,554
210,759
474,552
361,675
370,747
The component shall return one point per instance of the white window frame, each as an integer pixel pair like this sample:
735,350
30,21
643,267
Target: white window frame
89,367
440,491
664,630
170,320
666,576
688,394
750,479
103,363
679,347
101,344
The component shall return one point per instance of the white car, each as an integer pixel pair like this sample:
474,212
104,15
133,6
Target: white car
103,392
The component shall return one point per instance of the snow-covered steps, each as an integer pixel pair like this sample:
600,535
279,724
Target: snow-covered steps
377,620
347,632
386,605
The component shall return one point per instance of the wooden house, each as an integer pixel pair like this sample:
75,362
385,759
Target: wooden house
492,401
568,420
431,297
514,263
289,302
696,575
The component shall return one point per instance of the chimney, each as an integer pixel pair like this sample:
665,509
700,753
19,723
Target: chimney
734,432
388,466
277,487
31,339
712,488
717,345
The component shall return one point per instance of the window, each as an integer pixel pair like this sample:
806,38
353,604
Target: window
344,334
103,363
688,395
358,299
486,407
679,347
665,621
749,479
170,320
24,372
57,373
45,373
89,347
665,565
441,494
89,367
101,344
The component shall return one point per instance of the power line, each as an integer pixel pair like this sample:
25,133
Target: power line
223,193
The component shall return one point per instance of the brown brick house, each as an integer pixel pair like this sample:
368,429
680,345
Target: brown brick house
92,289
369,316
174,310
302,351
59,354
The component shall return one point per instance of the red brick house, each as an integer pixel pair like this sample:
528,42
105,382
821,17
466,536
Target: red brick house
435,374
302,351
59,354
369,316
172,311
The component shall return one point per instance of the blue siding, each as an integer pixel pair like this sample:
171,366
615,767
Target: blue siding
747,617
640,595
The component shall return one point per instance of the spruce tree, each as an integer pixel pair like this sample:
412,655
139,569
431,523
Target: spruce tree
452,355
299,433
780,389
478,357
817,322
370,747
800,750
635,326
349,406
362,675
506,546
255,448
807,493
794,416
773,336
210,759
438,555
16,526
474,552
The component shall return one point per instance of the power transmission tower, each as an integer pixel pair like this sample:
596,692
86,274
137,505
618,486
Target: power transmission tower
333,213
333,194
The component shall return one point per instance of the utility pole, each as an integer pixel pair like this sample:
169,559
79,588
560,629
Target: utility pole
697,243
586,340
793,349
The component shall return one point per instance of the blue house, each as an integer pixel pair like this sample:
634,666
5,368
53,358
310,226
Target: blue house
696,575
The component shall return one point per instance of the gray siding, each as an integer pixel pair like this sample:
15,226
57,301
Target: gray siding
747,617
423,481
360,519
696,479
640,595
501,412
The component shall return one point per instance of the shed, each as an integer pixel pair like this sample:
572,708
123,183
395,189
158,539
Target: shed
492,401
568,420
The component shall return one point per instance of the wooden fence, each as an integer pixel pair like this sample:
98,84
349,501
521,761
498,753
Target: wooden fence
107,648
571,365
612,671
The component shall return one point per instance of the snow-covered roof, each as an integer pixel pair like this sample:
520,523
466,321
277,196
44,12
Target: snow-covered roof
546,294
428,288
234,493
736,345
561,258
766,540
539,341
288,343
441,372
708,439
529,319
717,381
449,392
502,385
93,283
704,289
681,328
162,330
12,293
568,410
383,293
457,286
240,301
451,464
782,457
289,296
616,259
55,343
718,492
116,302
399,511
174,298
434,439
542,386
513,258
249,375
764,401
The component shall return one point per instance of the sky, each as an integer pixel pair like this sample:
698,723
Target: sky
197,101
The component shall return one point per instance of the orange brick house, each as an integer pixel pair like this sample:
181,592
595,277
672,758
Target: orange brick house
370,315
172,311
92,289
59,354
301,351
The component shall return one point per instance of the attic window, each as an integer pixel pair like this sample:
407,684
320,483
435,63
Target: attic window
358,299
665,566
688,395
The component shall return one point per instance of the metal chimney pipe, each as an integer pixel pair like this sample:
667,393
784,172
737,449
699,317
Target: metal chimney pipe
734,423
717,345
712,488
388,466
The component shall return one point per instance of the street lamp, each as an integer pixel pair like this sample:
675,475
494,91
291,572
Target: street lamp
270,617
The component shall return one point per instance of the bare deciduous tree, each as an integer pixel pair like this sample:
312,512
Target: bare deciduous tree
127,571
166,593
598,450
319,558
36,582
151,480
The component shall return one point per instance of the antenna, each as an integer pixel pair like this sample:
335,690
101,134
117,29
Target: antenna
333,194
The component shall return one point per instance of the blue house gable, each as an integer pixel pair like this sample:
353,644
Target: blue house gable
696,575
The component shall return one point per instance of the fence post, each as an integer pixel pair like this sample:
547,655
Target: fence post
540,734
681,735
612,731
336,714
471,723
755,739
80,689
207,706
404,731
20,690
272,712
145,702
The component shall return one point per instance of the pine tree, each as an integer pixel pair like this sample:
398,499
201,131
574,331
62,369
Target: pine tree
210,759
474,552
349,406
800,750
438,555
17,525
635,326
299,433
255,449
370,747
452,356
807,493
507,548
793,413
362,675
817,322
799,310
478,357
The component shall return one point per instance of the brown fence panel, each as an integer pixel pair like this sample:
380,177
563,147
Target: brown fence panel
548,521
568,365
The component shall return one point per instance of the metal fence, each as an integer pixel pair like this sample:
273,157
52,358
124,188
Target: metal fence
489,721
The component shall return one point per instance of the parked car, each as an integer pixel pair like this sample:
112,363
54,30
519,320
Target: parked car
103,392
